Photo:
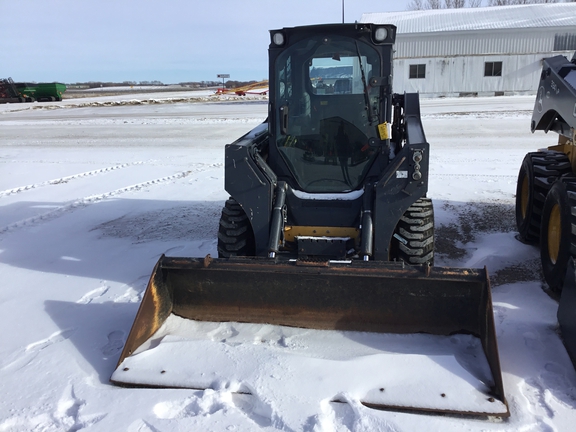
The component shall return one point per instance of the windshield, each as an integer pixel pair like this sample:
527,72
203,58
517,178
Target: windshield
324,110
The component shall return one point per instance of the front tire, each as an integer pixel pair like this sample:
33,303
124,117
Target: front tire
235,235
413,240
537,174
557,241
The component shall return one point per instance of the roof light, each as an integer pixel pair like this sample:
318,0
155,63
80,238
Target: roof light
278,38
381,34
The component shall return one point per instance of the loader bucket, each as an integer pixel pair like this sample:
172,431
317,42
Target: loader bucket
357,296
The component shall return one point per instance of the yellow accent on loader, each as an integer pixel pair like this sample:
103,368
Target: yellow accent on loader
383,131
290,232
554,233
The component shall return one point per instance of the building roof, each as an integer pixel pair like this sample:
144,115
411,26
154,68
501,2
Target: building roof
486,18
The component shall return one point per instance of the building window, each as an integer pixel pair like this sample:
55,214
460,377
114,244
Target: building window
417,71
493,69
565,42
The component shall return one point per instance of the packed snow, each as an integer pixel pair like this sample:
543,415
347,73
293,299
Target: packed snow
93,191
361,365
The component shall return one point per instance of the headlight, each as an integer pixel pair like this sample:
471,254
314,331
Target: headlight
381,34
278,38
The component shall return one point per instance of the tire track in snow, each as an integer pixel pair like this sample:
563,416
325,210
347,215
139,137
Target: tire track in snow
474,175
84,202
142,101
23,357
93,294
103,121
66,179
55,337
480,114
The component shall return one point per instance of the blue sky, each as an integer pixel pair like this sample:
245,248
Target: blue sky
167,40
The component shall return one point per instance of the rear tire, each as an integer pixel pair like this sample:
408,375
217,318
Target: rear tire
235,235
537,174
416,229
558,232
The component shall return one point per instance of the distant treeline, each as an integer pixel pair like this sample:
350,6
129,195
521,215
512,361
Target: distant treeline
194,84
99,84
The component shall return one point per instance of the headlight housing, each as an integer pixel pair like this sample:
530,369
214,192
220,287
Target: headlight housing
278,38
380,34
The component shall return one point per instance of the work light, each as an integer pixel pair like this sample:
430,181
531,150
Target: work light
380,34
278,38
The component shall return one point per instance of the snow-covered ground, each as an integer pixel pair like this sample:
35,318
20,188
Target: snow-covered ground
93,191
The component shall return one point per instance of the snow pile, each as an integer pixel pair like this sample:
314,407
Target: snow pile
135,99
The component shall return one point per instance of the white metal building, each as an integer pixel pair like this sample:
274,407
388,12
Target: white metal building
477,51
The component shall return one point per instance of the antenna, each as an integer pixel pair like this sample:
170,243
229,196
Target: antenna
342,11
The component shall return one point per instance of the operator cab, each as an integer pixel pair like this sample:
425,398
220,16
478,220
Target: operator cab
326,110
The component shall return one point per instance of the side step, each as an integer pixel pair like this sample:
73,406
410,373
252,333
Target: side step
359,296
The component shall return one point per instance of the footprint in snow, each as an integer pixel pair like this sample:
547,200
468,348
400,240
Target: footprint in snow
202,403
555,377
223,332
500,313
115,343
532,341
141,425
332,416
67,415
534,392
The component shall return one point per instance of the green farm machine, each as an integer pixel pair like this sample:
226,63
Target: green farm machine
11,92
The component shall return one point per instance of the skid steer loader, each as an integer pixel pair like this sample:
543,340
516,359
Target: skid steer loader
546,189
328,225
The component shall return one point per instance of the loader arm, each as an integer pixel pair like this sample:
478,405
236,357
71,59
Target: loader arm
555,106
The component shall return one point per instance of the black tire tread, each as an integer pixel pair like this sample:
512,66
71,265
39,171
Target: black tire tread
554,273
547,167
416,227
235,235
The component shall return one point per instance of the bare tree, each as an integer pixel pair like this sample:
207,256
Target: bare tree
433,4
519,2
455,4
417,5
441,4
425,4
